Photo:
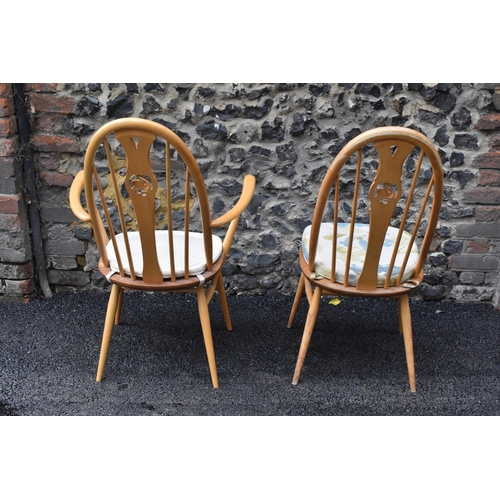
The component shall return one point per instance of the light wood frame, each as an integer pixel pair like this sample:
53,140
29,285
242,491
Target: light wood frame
393,145
136,136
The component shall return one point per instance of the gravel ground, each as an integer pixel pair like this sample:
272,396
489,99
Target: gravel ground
157,364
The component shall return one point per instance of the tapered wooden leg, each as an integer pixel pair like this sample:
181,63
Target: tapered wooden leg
298,296
207,334
119,307
108,329
223,302
306,337
405,321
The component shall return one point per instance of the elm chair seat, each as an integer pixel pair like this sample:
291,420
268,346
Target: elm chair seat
323,263
196,261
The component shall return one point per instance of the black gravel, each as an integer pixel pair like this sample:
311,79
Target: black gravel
157,364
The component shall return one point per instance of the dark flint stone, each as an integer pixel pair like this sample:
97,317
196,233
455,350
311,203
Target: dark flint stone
379,105
120,107
150,105
173,103
354,132
95,87
461,120
257,112
184,136
83,233
230,111
461,177
433,293
438,260
230,186
83,129
268,241
448,213
257,150
398,121
430,117
457,159
262,259
317,90
286,152
431,279
347,86
218,205
236,154
443,231
363,88
301,123
441,137
282,208
449,278
183,88
213,131
415,86
88,106
428,93
151,87
256,202
256,93
329,134
169,125
466,141
132,88
452,246
273,132
198,109
445,102
205,92
375,92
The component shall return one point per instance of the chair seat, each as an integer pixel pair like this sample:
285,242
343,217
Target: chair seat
324,253
197,261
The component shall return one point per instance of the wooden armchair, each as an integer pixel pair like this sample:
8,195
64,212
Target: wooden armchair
382,226
152,223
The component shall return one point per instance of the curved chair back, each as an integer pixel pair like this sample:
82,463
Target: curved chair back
132,194
386,187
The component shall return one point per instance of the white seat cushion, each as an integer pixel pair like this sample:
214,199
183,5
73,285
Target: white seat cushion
197,261
324,253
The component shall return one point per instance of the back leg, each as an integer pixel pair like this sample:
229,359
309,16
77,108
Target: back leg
298,296
108,328
405,322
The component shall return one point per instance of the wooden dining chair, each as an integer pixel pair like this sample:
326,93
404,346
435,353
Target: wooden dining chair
382,195
150,214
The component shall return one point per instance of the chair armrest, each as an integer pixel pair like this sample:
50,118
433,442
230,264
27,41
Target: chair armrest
74,198
245,198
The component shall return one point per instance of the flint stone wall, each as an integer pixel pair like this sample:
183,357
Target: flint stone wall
286,135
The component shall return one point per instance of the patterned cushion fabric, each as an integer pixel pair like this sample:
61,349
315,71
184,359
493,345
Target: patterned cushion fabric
324,253
197,261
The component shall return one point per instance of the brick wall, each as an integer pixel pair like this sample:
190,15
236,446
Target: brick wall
285,134
16,267
473,267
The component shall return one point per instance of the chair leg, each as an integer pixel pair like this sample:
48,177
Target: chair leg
207,334
405,321
223,302
298,296
108,328
119,307
306,337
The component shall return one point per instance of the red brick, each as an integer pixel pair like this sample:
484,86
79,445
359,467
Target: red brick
489,122
56,179
489,178
495,142
8,146
6,107
8,126
483,195
50,123
11,222
44,87
10,204
478,246
487,160
55,143
50,103
48,161
5,89
487,214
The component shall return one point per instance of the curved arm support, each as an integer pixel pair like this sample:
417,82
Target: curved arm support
74,198
236,211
